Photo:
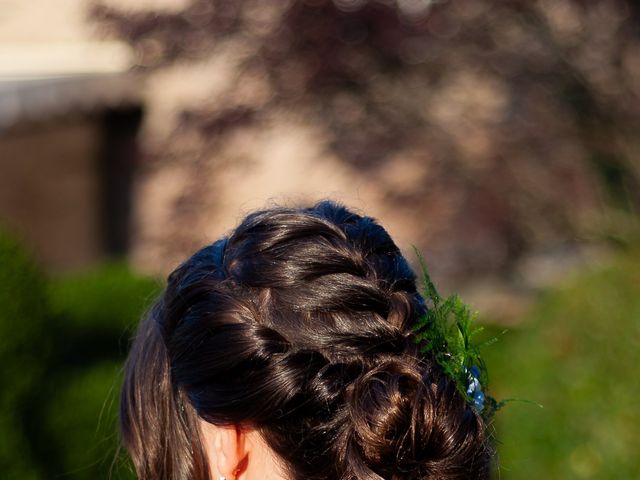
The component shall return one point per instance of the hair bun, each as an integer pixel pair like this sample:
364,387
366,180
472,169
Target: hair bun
381,407
406,428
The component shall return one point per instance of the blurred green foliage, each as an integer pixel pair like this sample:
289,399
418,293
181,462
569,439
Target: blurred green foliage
23,354
577,354
63,342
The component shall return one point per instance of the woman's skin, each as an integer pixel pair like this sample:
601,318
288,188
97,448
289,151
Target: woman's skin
239,454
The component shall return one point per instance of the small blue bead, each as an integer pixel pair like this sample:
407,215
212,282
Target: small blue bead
473,386
478,400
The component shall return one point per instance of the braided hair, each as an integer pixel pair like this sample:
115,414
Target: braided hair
298,324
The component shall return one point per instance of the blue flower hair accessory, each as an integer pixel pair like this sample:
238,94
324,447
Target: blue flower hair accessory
446,332
474,388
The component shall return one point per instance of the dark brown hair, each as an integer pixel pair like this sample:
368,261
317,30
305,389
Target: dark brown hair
298,324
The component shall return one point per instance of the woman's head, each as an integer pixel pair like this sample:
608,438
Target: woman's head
297,328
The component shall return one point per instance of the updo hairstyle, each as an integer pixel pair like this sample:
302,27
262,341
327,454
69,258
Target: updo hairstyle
299,325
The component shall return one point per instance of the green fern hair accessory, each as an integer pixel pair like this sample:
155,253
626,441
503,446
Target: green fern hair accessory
446,331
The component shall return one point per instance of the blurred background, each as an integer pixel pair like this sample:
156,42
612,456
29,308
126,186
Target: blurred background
501,138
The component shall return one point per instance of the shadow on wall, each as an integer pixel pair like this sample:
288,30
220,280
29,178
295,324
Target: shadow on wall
483,132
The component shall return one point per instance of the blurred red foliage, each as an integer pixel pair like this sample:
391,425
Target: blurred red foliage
523,115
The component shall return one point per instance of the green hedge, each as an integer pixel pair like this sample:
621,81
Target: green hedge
24,353
577,354
64,340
